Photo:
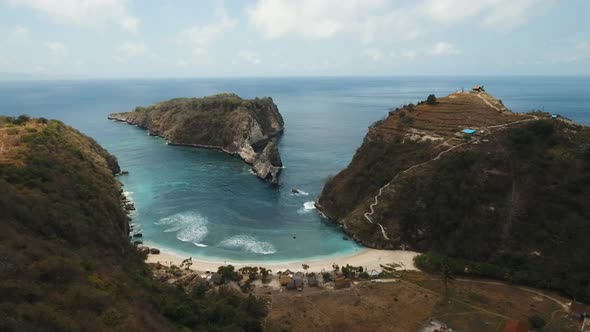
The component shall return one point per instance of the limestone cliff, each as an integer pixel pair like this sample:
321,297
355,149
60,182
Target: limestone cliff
247,128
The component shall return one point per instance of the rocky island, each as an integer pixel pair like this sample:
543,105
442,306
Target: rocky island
247,128
499,194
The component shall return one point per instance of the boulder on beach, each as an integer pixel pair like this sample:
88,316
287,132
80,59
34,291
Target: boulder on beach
143,250
154,251
137,235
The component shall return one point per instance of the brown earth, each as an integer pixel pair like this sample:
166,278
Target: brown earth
408,304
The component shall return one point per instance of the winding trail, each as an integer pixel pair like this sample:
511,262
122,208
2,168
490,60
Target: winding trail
372,206
368,215
526,289
488,103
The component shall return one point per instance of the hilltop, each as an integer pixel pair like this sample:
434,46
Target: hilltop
66,262
507,201
247,128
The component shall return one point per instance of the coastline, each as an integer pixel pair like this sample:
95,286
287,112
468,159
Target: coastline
369,259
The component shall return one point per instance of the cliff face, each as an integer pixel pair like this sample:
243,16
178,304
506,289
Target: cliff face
510,196
247,128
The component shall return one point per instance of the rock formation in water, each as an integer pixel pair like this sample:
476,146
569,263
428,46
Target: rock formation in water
247,128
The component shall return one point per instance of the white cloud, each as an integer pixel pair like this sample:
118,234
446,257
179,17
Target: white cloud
313,19
444,48
129,50
197,39
400,20
130,24
503,14
19,34
57,49
409,55
249,56
96,14
202,35
374,53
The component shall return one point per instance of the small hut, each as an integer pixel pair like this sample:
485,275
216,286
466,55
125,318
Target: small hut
469,131
284,280
296,283
341,282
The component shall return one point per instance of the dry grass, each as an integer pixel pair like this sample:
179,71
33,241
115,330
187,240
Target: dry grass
451,114
11,136
407,305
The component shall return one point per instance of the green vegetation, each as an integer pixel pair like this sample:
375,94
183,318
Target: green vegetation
219,120
537,239
66,263
431,100
512,208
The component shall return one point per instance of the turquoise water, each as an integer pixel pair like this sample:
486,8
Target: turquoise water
205,203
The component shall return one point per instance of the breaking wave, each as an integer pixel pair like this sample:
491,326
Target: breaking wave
248,243
307,207
189,227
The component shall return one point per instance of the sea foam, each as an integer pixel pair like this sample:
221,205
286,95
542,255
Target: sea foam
307,207
248,243
189,227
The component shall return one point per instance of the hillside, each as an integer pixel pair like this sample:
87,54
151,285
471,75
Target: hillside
508,203
247,128
66,263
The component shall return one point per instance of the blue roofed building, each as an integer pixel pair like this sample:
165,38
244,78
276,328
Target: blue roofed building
469,131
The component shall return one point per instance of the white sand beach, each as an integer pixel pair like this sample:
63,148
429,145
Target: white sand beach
370,259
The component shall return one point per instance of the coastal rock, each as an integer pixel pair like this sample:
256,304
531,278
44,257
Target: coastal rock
143,250
268,164
247,128
154,251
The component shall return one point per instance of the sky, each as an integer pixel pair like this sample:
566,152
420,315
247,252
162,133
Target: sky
260,38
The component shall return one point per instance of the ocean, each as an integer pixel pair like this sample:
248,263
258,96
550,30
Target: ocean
206,204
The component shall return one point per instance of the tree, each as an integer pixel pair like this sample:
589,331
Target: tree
187,263
431,100
229,273
446,275
305,267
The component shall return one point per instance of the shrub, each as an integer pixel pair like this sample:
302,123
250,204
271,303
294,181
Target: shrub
229,273
431,100
21,119
537,321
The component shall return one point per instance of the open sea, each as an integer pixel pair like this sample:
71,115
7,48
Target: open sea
206,204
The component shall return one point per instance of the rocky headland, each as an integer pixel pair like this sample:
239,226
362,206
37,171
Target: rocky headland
249,128
501,194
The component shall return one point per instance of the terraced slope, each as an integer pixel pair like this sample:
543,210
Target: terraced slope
511,197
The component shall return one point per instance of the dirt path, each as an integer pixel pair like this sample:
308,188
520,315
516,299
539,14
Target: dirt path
376,198
368,215
458,301
487,102
497,283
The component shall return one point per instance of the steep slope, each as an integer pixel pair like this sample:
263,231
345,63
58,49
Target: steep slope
512,197
248,128
66,263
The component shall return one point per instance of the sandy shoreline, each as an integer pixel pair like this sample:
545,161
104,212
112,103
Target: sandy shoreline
370,259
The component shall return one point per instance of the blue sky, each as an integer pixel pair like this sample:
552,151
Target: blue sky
151,38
